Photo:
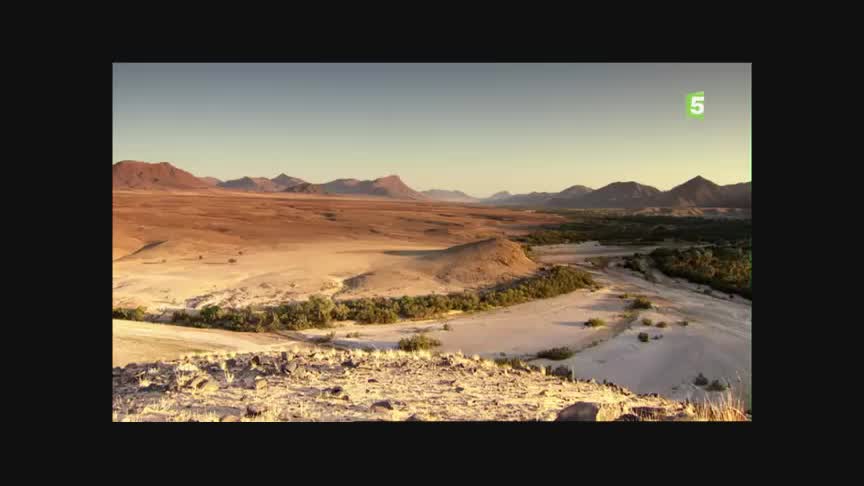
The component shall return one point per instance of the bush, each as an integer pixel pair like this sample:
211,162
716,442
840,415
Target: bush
641,302
595,322
210,313
643,336
716,386
684,323
700,380
325,338
661,324
353,335
130,314
556,353
447,327
341,312
418,342
512,362
647,322
231,260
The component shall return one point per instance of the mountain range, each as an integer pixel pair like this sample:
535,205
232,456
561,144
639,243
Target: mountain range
698,191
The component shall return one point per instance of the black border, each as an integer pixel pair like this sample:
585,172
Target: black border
319,434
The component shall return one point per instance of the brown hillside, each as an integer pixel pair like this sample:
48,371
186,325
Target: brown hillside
131,174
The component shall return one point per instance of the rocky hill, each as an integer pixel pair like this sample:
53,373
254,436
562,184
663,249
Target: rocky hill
331,385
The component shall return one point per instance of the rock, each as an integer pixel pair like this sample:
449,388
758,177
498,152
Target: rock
291,367
459,389
415,418
208,386
260,383
229,418
628,417
197,381
382,406
284,356
256,360
336,390
561,371
231,363
371,380
589,412
350,364
255,410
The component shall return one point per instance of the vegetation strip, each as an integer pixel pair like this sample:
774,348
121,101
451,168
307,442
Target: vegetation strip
320,312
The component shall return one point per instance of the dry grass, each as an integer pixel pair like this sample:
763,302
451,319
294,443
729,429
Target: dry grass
727,408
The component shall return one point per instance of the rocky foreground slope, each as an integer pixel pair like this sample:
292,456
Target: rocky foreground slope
326,384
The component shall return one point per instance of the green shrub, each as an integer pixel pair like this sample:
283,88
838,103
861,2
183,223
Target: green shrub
556,353
341,312
700,380
643,336
595,322
661,324
418,342
641,302
647,322
512,362
716,385
210,313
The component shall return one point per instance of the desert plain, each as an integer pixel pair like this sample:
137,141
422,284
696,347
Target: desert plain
185,249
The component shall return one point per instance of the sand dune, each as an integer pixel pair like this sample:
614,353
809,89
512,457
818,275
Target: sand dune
173,249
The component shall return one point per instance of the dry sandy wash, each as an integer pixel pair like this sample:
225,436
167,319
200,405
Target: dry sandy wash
172,249
317,384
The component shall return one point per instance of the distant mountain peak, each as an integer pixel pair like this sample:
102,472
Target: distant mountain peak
134,174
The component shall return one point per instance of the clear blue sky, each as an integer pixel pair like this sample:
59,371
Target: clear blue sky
479,128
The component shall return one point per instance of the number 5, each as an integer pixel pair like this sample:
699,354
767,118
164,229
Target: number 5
697,105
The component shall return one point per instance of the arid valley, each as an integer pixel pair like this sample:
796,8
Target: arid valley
209,284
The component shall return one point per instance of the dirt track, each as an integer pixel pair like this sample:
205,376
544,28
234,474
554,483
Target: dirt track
136,342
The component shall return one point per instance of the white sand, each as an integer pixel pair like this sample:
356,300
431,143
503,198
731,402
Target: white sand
717,341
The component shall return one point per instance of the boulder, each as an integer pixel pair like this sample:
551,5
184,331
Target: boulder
255,410
589,412
382,406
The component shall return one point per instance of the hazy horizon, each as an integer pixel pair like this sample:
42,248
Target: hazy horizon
477,128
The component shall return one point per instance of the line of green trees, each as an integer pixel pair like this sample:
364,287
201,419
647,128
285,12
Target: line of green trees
724,268
320,311
643,230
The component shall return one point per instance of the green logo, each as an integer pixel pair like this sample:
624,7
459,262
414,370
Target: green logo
696,105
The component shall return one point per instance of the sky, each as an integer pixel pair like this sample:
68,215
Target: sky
475,127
